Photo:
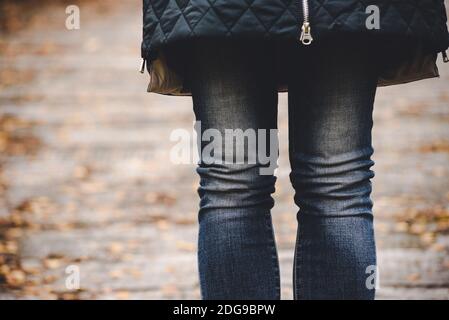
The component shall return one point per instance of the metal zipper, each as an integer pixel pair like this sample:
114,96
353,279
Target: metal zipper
306,34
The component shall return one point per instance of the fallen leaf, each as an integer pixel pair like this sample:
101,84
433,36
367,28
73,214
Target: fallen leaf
16,278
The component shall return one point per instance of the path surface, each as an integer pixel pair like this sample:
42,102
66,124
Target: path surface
85,178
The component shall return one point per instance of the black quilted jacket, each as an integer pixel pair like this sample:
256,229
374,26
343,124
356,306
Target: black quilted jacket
169,21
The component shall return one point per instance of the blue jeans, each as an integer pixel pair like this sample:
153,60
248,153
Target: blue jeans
331,96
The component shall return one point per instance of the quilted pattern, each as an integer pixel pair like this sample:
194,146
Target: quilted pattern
167,21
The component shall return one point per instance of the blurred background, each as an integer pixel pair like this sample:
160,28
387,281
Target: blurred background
86,182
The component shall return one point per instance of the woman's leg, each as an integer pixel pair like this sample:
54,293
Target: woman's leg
233,88
331,99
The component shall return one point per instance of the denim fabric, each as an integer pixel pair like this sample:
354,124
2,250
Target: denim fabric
331,96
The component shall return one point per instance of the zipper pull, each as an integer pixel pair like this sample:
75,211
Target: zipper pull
445,58
306,35
142,65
